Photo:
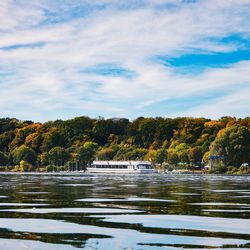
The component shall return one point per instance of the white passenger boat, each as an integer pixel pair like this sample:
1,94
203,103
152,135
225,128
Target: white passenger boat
134,167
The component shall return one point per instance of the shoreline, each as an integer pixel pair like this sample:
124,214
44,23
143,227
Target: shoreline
130,174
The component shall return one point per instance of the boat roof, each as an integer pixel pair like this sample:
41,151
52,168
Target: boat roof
121,162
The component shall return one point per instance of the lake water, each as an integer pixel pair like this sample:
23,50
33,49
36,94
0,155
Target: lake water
160,211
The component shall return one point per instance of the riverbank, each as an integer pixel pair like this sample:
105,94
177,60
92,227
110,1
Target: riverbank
233,171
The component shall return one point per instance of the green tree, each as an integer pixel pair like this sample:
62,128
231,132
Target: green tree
58,156
136,154
160,156
146,131
127,152
24,153
165,130
76,129
173,158
43,159
5,140
101,131
181,149
3,159
195,155
120,139
86,154
233,144
184,156
107,153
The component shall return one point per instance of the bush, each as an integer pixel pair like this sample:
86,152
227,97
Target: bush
16,169
50,168
25,166
232,170
218,170
244,170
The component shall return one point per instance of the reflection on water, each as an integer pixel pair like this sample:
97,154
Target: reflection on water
86,210
70,211
12,204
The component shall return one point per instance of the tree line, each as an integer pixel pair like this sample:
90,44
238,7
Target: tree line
182,142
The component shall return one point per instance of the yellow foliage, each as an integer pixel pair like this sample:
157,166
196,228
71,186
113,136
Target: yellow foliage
221,132
206,157
231,123
150,156
213,123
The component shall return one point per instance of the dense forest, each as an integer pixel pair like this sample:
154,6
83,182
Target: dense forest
184,143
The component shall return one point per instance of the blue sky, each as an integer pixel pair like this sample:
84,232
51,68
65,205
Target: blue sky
65,58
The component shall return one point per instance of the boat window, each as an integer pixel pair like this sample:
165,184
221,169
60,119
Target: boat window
144,166
116,166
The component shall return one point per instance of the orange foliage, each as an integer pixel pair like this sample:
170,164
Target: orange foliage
213,123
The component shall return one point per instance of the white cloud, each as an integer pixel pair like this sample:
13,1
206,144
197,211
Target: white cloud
234,104
18,14
51,77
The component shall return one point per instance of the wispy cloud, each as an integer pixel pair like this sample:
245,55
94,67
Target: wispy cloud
59,59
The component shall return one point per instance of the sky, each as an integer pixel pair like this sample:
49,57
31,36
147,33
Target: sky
124,58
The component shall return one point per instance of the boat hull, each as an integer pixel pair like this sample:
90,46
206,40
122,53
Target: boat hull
121,171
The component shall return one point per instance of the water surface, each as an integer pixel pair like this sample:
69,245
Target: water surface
98,211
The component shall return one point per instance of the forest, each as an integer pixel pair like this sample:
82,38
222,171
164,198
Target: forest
169,143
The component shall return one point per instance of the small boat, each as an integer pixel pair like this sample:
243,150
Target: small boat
130,167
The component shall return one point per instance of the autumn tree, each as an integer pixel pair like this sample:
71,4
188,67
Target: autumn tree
233,145
185,139
53,138
22,133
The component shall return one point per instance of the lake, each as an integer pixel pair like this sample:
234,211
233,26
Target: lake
96,211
